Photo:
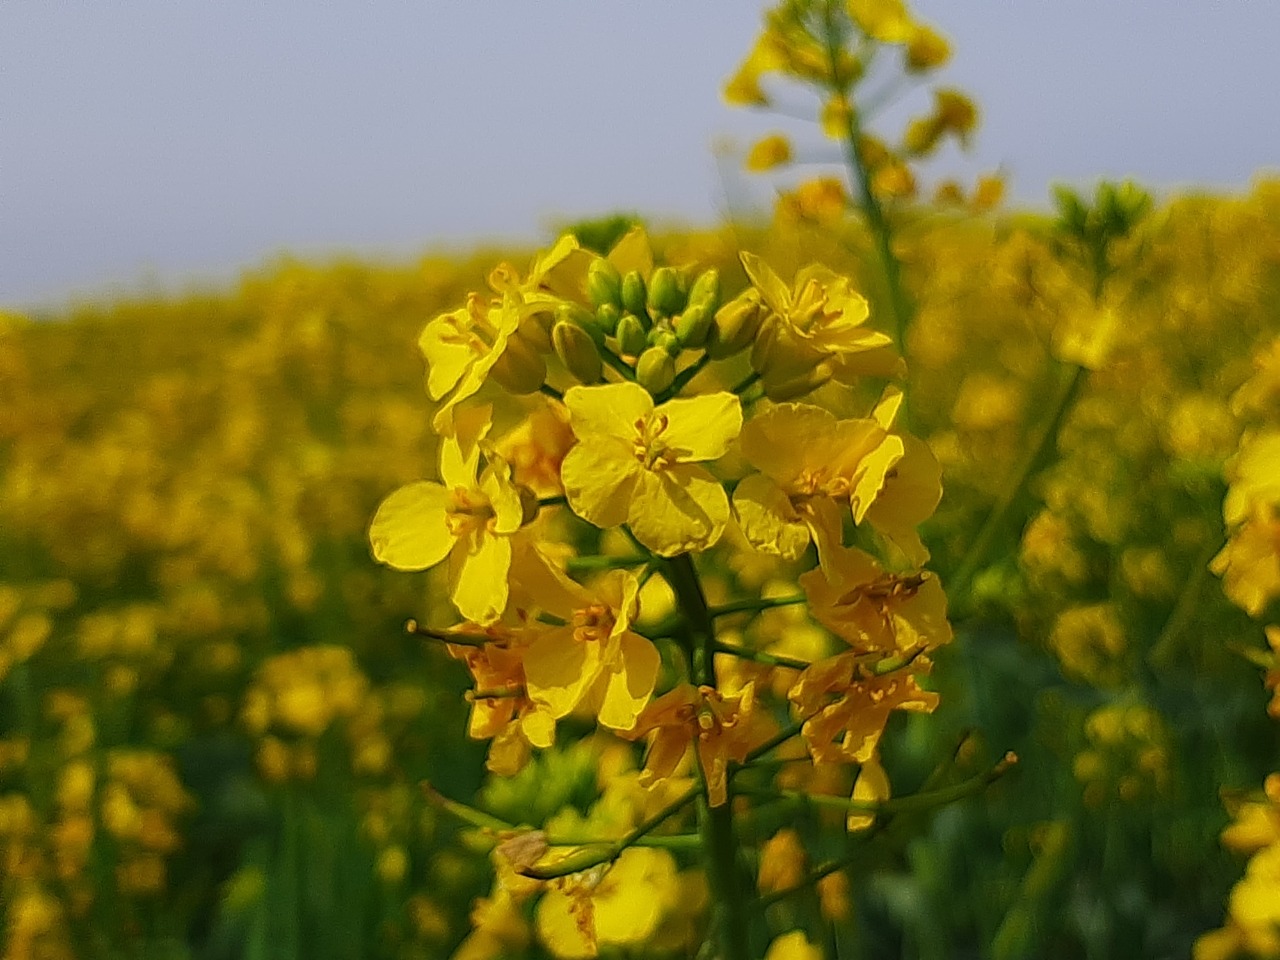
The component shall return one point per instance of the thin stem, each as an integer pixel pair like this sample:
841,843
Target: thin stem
588,859
603,562
683,377
746,383
618,364
756,605
995,522
1162,651
413,627
557,501
760,656
551,392
477,818
667,841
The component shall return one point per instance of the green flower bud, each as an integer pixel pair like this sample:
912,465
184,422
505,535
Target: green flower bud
604,283
706,291
607,317
535,331
520,369
665,338
655,370
665,296
790,389
577,351
633,292
735,324
631,335
693,326
576,315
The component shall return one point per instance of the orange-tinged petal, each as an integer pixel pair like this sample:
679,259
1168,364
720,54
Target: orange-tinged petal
479,576
599,478
410,530
608,410
768,520
677,510
702,428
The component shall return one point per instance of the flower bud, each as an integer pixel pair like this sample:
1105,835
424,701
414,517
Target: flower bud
791,389
576,315
604,283
607,316
520,369
577,351
693,326
665,296
655,370
706,290
631,335
665,338
735,324
633,292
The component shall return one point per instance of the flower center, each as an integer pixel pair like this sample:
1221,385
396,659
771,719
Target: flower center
592,623
649,446
885,591
819,482
468,511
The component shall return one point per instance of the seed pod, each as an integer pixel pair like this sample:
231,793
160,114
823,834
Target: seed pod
655,370
735,324
604,283
633,293
577,351
631,335
520,369
693,326
706,291
665,296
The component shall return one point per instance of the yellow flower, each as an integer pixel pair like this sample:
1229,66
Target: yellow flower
809,461
637,465
1250,562
768,153
820,325
460,348
619,905
885,20
595,655
912,488
792,946
722,727
470,518
877,611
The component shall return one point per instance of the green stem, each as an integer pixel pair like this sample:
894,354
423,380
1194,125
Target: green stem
756,605
669,841
683,377
603,562
557,501
551,392
1165,648
715,824
994,525
413,627
746,383
611,851
760,656
613,360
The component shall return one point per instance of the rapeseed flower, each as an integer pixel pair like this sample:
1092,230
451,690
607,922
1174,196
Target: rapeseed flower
470,517
637,464
809,462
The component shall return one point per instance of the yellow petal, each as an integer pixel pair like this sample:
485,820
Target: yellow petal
558,670
677,510
629,911
633,252
480,577
792,946
609,410
446,354
776,442
599,477
539,728
702,428
872,786
410,530
871,475
767,518
503,496
630,682
762,277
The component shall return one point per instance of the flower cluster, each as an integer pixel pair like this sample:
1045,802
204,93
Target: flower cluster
604,421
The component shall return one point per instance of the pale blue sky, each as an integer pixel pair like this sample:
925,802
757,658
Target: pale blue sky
164,142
